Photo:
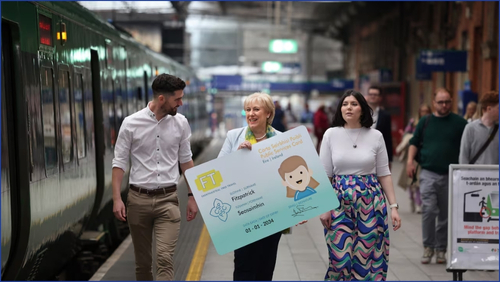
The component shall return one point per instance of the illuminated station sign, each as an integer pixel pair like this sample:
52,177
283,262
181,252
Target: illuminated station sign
271,66
283,46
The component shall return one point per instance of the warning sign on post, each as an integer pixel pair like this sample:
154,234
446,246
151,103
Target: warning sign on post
474,212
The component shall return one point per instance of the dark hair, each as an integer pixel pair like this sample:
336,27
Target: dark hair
166,84
376,88
366,119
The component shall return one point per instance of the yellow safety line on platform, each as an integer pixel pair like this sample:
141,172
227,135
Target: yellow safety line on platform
200,254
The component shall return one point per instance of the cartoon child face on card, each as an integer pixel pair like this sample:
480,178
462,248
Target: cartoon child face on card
297,178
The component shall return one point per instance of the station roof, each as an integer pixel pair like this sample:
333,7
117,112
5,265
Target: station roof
327,18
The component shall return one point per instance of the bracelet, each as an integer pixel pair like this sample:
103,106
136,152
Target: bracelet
190,194
395,205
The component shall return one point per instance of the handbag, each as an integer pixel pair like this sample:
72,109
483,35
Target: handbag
478,154
418,156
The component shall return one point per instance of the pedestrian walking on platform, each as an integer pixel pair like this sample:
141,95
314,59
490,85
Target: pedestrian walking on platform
482,132
436,141
470,110
155,139
381,118
412,184
355,160
321,124
256,261
279,121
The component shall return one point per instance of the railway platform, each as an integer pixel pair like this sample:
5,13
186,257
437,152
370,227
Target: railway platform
302,255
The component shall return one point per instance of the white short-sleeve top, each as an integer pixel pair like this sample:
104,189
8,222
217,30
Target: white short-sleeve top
339,157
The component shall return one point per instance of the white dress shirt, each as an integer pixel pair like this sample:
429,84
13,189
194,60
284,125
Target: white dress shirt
154,148
375,117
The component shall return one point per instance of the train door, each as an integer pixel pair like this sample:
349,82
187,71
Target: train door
98,129
7,164
112,111
123,87
120,108
15,165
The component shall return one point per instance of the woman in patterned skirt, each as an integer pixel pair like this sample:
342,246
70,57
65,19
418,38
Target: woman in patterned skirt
355,159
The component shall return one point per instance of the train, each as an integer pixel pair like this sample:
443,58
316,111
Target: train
69,79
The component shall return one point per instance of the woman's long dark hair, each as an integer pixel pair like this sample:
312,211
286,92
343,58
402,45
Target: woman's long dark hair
366,119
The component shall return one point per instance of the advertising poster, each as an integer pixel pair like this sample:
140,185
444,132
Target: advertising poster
474,213
248,195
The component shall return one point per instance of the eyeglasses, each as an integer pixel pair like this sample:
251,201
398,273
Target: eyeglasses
373,95
446,102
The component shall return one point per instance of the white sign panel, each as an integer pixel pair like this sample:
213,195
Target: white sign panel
473,217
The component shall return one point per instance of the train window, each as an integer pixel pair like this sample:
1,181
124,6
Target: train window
119,106
48,119
65,108
80,117
5,148
140,100
109,55
112,115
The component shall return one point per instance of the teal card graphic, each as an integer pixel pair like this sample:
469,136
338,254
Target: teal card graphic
248,195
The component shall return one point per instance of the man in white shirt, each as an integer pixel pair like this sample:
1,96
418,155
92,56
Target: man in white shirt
155,139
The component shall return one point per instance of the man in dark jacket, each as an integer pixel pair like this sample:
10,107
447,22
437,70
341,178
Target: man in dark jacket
279,121
381,118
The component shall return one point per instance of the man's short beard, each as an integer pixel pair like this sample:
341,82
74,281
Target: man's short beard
444,113
172,112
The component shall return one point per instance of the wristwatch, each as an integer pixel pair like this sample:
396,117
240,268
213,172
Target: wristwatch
190,194
395,205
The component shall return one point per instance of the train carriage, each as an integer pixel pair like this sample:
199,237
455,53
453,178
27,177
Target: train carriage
68,81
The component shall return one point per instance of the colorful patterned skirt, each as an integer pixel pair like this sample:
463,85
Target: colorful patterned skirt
358,238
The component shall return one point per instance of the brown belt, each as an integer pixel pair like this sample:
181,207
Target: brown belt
157,191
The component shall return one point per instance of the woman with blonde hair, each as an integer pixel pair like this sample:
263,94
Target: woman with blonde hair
402,149
256,261
470,110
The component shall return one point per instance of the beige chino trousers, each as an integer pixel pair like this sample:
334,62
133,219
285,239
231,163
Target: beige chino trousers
160,216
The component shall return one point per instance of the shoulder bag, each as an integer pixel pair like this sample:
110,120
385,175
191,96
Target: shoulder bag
478,154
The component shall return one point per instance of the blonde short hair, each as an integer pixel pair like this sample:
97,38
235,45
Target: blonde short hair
265,101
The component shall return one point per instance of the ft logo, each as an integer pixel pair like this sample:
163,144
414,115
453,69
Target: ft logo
208,180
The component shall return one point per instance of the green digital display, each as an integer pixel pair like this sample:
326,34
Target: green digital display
283,46
270,66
